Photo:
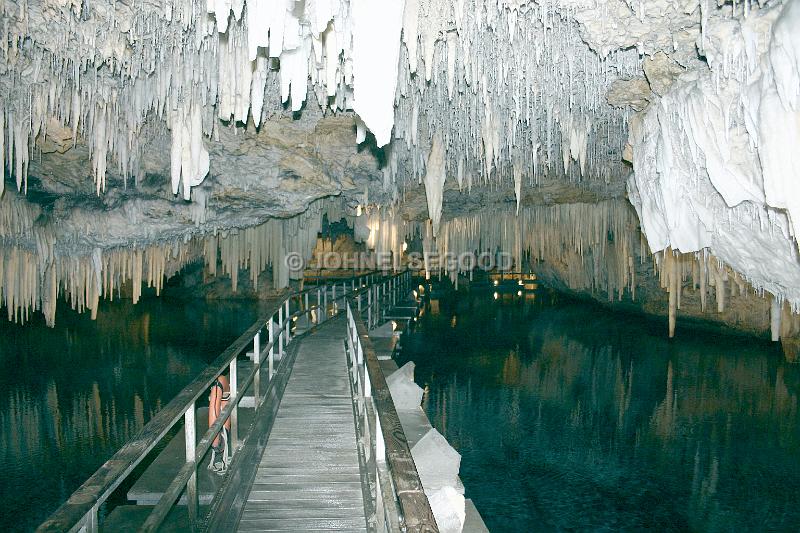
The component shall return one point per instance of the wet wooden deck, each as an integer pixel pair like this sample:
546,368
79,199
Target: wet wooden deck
309,478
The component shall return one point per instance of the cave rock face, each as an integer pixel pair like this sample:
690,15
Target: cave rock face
128,126
716,156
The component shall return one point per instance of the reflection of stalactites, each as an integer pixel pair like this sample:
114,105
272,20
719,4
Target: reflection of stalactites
138,411
704,486
664,415
623,391
576,414
511,369
97,408
52,407
146,328
784,409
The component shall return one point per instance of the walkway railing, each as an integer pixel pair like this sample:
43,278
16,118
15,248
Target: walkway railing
81,510
398,500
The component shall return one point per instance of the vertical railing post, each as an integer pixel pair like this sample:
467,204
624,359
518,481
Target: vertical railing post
92,525
288,322
271,340
381,307
234,379
377,304
319,305
325,301
369,307
189,429
257,375
280,333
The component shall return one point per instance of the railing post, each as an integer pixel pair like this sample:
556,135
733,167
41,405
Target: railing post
377,305
191,485
235,413
381,310
288,323
91,524
280,333
257,375
319,305
369,307
325,301
271,339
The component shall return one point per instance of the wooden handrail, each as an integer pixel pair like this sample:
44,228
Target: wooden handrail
414,509
81,508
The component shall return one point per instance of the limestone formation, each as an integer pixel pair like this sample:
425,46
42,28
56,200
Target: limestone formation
167,126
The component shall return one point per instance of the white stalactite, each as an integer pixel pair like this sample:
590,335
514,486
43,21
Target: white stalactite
434,182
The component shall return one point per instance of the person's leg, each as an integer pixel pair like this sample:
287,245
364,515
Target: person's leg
226,391
218,399
214,407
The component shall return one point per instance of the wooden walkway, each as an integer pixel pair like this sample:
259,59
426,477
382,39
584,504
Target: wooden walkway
309,477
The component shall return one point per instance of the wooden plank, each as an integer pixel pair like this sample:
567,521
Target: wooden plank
308,478
302,512
302,523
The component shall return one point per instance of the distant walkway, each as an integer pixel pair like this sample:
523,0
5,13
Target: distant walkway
309,477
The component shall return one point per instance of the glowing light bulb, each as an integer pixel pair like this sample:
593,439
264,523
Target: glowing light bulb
496,296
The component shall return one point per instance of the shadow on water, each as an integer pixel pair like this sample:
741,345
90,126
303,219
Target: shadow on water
70,396
570,417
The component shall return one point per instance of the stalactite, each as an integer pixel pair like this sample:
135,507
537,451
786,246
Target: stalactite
775,319
33,280
595,244
713,156
176,64
434,182
671,266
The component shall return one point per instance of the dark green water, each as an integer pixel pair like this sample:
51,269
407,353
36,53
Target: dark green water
570,417
70,396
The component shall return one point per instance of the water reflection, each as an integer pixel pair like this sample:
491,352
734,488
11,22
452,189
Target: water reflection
70,396
570,417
